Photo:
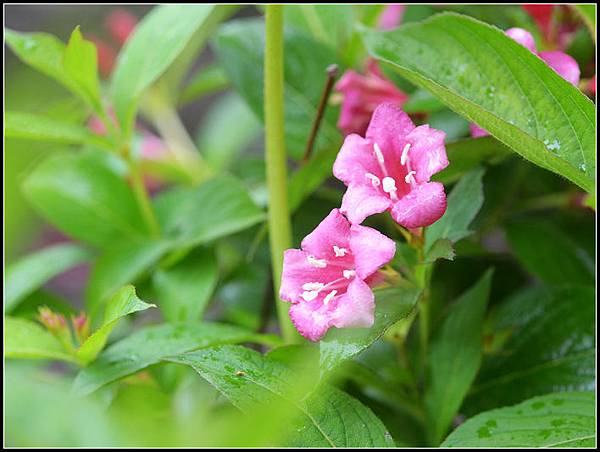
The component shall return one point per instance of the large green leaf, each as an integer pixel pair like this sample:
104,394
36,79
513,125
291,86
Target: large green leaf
123,262
554,420
83,195
391,306
218,207
81,65
32,271
551,347
240,48
454,358
36,127
40,412
74,65
149,345
155,44
491,80
549,253
326,418
184,290
464,202
27,339
122,303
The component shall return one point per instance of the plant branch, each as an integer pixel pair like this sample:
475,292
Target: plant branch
280,230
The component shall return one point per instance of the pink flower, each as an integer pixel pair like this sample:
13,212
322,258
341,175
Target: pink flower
327,280
362,94
120,24
391,16
390,169
563,64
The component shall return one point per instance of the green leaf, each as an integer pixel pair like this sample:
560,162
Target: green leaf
441,249
123,303
240,48
218,207
391,306
123,262
493,81
327,418
27,339
83,195
554,420
74,66
149,345
217,141
41,51
36,127
184,290
81,65
551,347
155,44
465,155
464,202
548,253
208,80
41,413
454,358
32,271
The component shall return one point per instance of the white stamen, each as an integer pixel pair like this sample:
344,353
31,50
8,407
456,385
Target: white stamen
318,263
410,177
339,252
349,274
389,184
374,179
378,153
310,295
404,154
312,286
329,296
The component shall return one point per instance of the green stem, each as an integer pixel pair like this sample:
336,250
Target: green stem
141,196
280,230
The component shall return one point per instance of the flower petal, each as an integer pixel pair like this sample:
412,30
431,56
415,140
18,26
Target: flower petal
296,272
361,201
427,153
424,205
477,132
311,319
371,250
356,308
563,64
333,230
523,37
355,160
388,127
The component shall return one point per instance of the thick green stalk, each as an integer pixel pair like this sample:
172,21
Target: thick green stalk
280,230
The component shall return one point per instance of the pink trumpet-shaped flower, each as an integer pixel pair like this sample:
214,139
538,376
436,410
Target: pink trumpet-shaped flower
327,281
390,169
563,64
362,94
